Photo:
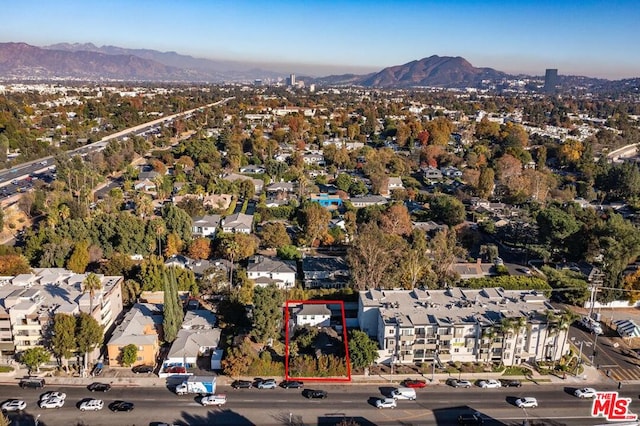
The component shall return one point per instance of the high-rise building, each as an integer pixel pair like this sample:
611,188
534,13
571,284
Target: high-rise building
550,80
292,80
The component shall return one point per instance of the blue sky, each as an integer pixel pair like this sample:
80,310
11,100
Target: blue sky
593,38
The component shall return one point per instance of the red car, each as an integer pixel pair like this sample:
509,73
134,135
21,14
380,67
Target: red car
176,370
411,383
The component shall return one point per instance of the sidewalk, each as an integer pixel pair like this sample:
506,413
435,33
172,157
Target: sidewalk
590,376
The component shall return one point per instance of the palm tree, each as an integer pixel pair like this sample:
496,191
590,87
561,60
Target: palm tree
489,333
231,249
91,284
552,328
506,327
566,318
518,324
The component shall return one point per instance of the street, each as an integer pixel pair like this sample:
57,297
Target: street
437,405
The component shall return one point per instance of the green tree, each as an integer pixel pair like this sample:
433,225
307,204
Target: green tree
274,235
486,182
447,209
363,351
267,312
129,355
314,220
178,221
89,335
238,359
79,259
34,357
91,284
289,252
63,341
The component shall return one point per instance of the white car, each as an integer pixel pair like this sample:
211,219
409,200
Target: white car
214,400
386,403
92,405
585,393
490,384
528,402
59,395
52,403
14,405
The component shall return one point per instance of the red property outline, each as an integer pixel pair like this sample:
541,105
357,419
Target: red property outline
344,339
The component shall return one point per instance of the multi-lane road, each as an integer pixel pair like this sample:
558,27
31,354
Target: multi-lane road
437,405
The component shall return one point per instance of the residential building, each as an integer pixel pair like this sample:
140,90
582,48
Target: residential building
457,324
238,223
258,184
252,169
217,201
205,226
30,301
328,201
467,270
142,327
431,173
191,344
368,200
324,272
313,315
550,80
265,270
394,183
313,158
200,267
451,172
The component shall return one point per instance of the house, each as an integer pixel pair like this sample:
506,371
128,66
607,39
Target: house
461,325
199,267
368,200
395,183
431,173
217,201
429,227
467,270
324,272
451,172
199,319
206,226
313,159
145,185
329,202
265,270
313,315
280,187
252,169
141,326
191,344
238,223
258,184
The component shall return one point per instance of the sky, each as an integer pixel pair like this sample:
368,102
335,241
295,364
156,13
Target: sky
579,37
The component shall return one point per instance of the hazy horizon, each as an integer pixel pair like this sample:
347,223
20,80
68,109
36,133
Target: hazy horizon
591,38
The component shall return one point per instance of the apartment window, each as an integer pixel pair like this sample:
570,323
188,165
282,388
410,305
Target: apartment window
140,348
408,332
139,358
456,350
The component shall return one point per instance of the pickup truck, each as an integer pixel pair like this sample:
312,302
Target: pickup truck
214,400
203,385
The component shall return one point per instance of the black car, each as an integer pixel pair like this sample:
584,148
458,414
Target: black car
291,384
241,384
99,387
511,383
121,406
143,369
470,420
314,394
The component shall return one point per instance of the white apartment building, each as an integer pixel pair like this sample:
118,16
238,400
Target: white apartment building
29,302
458,324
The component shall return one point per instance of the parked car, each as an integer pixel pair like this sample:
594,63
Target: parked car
527,402
314,394
51,403
91,405
459,383
386,403
99,387
266,384
413,383
291,384
490,384
176,370
214,400
32,382
143,369
241,384
585,393
48,395
13,405
121,406
470,419
511,383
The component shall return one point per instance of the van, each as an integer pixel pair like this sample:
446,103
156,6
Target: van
591,325
404,393
32,382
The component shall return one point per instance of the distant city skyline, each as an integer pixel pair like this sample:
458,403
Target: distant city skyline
591,37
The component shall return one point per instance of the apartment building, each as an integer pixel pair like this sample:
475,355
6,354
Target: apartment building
457,324
29,302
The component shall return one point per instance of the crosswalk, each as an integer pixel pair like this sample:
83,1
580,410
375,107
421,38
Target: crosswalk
623,374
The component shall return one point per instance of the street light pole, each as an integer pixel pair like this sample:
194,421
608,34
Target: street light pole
579,359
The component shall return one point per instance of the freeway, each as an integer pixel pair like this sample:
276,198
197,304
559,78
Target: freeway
437,405
17,174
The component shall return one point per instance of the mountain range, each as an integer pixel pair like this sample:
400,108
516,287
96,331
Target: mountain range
21,61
